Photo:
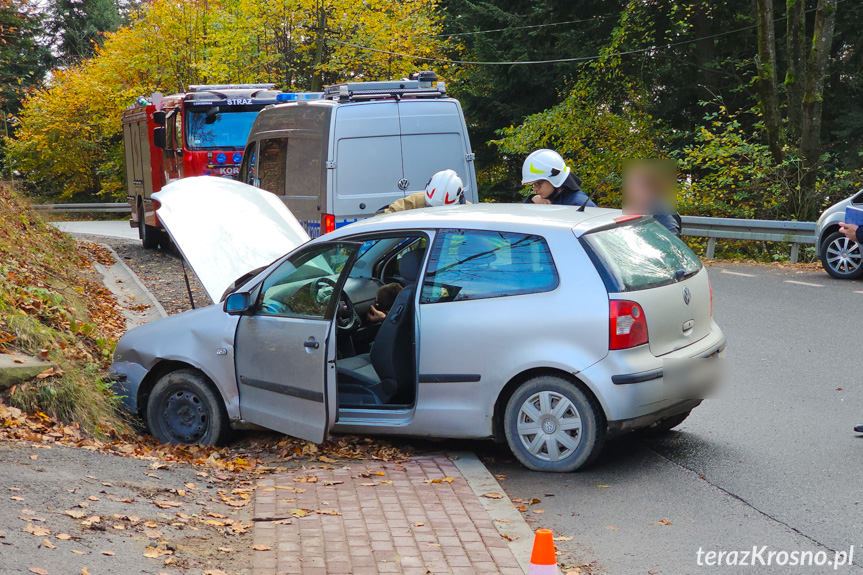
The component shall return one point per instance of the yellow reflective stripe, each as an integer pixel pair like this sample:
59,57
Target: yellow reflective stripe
534,170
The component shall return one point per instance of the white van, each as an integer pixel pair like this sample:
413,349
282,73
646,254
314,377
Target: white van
341,155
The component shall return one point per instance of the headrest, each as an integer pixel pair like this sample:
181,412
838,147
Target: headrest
409,265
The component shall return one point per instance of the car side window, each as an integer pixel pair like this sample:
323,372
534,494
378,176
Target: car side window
475,264
303,285
271,165
247,168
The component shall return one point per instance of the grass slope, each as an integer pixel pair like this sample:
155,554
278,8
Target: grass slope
51,305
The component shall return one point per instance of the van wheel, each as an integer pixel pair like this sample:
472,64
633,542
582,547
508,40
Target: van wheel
148,234
183,408
552,425
841,257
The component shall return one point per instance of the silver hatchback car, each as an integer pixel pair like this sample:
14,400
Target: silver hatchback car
542,326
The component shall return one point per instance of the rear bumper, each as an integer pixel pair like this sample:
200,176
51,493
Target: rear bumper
630,378
630,387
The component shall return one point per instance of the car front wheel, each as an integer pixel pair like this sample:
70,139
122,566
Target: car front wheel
841,257
552,425
183,408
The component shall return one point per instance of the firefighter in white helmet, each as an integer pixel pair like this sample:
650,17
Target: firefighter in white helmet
552,181
444,188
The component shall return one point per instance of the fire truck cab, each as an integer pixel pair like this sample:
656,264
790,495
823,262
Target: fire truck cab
198,133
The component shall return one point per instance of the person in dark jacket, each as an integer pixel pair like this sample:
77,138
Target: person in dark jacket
552,181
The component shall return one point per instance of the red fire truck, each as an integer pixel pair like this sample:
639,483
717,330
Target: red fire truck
197,133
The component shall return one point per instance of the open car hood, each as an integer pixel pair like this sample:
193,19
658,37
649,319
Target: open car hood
224,228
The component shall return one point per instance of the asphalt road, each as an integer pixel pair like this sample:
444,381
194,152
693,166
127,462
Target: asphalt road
109,229
772,463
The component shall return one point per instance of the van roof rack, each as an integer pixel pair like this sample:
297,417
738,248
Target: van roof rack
205,87
418,85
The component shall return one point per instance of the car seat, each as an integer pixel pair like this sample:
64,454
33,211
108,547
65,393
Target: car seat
391,360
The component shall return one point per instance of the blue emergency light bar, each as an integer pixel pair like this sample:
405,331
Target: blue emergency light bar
294,96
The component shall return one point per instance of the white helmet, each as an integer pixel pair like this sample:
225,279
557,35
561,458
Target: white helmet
444,189
544,165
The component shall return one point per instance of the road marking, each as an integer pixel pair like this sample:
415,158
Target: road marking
858,292
803,283
738,274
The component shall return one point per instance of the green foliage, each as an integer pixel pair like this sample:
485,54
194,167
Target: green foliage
78,27
728,171
592,136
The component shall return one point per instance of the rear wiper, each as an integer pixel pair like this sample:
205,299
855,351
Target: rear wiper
682,274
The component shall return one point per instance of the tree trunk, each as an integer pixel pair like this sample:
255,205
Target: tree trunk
795,78
813,102
766,80
317,74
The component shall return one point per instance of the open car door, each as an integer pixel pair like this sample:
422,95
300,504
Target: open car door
285,348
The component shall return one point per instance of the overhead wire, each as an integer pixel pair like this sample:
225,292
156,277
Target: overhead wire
554,60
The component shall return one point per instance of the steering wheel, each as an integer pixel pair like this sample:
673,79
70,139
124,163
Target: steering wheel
347,318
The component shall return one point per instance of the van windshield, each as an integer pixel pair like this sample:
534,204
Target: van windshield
219,127
640,255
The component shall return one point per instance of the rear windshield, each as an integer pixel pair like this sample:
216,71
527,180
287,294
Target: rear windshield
639,256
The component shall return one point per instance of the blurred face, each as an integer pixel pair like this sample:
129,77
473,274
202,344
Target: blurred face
649,186
543,188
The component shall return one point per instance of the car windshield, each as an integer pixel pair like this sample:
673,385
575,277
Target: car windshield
219,127
641,255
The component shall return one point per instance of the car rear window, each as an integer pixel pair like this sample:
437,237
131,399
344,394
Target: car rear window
640,255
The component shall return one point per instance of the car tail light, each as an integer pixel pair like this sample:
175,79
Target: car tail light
328,223
627,325
710,285
629,218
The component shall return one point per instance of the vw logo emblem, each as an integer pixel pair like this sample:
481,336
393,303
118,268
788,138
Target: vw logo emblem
687,295
403,184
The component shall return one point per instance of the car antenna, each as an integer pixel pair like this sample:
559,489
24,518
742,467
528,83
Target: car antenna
188,287
596,189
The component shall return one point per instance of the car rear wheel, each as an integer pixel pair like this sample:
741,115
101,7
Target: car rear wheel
148,234
183,408
553,425
841,257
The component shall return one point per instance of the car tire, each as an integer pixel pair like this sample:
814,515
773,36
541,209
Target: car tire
148,234
556,409
665,425
184,408
848,267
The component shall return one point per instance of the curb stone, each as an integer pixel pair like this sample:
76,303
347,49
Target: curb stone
127,287
518,534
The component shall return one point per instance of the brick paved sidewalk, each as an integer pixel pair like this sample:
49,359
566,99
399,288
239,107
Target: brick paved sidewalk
391,519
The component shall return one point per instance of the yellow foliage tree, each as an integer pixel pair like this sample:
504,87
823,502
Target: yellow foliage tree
68,142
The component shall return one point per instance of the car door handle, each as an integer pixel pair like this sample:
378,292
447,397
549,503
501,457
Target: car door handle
311,343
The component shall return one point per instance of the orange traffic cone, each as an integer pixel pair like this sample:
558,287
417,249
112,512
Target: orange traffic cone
543,560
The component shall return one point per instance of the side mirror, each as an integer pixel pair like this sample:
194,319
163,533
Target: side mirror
160,137
238,303
159,118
